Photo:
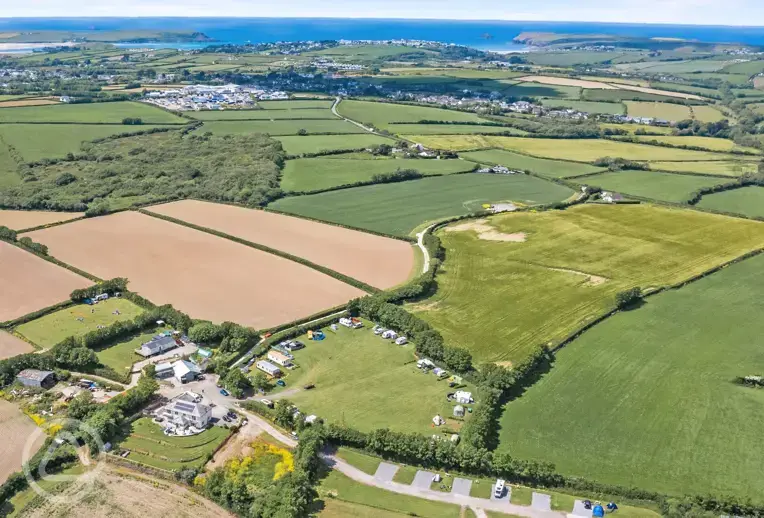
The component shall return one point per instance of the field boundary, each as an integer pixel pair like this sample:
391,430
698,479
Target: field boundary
10,324
284,255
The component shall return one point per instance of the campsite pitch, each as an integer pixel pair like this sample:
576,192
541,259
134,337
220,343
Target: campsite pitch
203,275
28,283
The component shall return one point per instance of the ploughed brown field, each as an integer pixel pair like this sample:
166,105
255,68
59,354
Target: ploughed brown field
21,219
28,283
15,430
11,346
203,275
378,261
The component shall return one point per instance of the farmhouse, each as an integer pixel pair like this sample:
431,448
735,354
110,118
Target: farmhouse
37,379
157,345
268,368
185,371
280,358
189,413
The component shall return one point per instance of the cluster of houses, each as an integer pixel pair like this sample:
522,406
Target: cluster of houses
324,64
628,119
207,97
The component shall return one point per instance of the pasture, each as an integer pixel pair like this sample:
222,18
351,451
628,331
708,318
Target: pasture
385,390
375,260
748,201
710,143
462,73
149,445
102,113
15,430
28,283
299,145
77,320
632,128
708,114
381,114
748,68
37,141
307,104
568,149
450,129
240,284
11,346
500,299
669,367
23,219
586,106
8,168
310,174
720,167
399,208
550,168
624,94
280,127
120,355
566,81
655,92
666,111
542,90
674,188
232,115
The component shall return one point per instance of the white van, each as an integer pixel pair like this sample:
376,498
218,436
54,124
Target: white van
498,491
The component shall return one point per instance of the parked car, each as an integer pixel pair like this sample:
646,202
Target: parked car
281,383
224,392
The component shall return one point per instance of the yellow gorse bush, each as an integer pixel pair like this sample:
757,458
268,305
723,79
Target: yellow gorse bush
237,469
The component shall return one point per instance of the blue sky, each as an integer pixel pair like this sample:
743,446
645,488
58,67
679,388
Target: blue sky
709,12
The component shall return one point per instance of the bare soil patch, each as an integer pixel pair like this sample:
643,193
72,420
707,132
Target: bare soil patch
28,283
567,81
665,93
487,232
203,275
240,445
23,219
592,280
11,346
27,102
15,429
118,492
379,261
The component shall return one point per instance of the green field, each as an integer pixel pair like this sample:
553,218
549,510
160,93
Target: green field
385,390
725,168
710,143
450,129
149,445
689,89
401,207
674,188
707,114
748,201
121,356
381,114
632,128
566,59
232,115
280,127
551,168
592,94
111,113
8,175
666,111
37,141
310,174
587,106
748,68
51,329
501,299
298,145
529,89
647,399
296,105
566,149
733,79
462,73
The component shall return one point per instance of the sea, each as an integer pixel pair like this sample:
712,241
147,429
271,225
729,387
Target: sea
484,35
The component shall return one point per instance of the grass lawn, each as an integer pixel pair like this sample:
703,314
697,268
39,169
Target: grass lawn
37,141
666,111
366,463
385,390
298,145
710,143
450,129
111,113
521,495
344,489
333,508
308,174
748,201
501,299
551,168
674,188
587,106
279,127
121,355
232,115
708,114
51,329
148,444
646,399
576,150
721,167
399,208
405,474
380,114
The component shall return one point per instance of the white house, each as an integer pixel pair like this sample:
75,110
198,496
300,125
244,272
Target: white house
268,368
189,413
280,358
464,398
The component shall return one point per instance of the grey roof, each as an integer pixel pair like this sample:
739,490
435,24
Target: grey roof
34,374
159,341
186,407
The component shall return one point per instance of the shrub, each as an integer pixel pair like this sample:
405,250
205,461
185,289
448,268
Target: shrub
628,297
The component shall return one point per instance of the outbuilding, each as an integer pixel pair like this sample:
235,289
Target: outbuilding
268,368
185,371
164,370
36,378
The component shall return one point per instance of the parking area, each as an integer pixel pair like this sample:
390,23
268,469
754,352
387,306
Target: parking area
580,510
541,501
385,472
461,486
423,479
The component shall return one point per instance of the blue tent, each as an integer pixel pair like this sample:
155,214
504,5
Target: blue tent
598,511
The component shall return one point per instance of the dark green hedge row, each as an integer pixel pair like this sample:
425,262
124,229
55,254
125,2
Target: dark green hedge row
691,148
331,273
111,286
35,314
743,181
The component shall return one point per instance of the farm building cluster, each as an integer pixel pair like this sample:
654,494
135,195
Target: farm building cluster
184,415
